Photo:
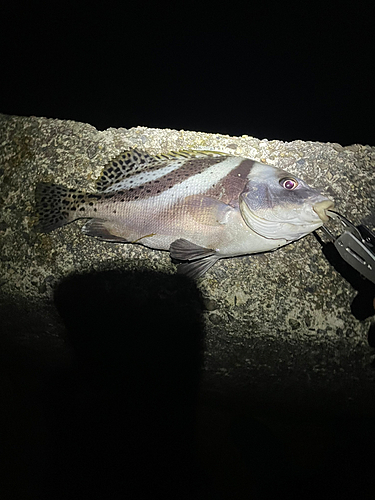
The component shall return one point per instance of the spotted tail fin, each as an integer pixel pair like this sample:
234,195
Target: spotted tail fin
56,206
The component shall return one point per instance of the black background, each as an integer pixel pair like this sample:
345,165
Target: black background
274,71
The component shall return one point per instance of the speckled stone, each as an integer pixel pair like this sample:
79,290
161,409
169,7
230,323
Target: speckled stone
278,325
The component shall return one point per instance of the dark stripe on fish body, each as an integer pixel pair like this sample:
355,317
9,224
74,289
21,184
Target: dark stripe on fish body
243,169
141,162
187,170
230,187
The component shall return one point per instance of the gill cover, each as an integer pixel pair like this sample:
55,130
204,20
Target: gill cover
277,205
253,216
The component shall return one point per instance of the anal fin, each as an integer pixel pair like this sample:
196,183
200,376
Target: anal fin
196,259
100,228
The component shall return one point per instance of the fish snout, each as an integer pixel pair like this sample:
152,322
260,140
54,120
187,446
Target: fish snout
321,207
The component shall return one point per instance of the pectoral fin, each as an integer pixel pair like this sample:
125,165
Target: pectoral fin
206,210
199,259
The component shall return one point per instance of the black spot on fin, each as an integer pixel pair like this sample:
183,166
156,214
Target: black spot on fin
123,166
199,259
56,206
101,229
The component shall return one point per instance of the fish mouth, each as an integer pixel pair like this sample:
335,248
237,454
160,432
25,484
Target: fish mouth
321,207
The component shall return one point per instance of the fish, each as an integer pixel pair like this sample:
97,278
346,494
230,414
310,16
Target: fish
199,205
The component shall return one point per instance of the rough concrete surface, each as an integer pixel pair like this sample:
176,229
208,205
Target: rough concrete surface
119,378
278,326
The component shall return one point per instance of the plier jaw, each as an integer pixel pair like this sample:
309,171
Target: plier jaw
356,245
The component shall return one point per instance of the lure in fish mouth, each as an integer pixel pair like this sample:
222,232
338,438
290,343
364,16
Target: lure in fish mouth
322,207
200,205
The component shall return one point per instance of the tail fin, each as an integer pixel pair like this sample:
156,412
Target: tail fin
56,206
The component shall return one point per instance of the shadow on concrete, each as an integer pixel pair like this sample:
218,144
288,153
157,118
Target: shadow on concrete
123,420
122,414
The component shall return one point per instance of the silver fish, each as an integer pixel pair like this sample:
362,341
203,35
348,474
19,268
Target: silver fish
200,205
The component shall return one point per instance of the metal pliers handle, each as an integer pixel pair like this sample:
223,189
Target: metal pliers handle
356,245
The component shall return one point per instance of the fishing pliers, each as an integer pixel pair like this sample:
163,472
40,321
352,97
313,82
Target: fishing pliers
356,245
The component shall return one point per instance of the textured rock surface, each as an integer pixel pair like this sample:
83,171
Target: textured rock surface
278,325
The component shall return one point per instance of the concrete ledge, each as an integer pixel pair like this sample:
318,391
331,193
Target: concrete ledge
276,324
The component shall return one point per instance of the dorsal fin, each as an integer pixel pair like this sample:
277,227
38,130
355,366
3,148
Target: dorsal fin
133,162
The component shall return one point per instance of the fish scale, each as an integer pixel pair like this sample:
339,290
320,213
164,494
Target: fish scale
200,205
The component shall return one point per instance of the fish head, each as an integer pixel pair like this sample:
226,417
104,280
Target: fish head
279,205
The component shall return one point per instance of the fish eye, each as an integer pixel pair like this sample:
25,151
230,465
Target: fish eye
288,183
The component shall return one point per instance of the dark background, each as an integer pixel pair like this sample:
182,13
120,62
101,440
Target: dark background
272,71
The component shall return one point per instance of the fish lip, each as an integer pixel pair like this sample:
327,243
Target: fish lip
321,207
